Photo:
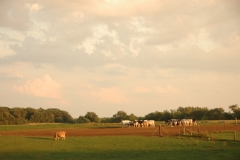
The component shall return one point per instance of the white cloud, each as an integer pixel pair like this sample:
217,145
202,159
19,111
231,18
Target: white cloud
34,7
41,87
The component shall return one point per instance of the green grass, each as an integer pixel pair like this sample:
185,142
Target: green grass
117,147
46,126
220,146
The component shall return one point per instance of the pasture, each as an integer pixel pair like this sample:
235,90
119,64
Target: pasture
109,141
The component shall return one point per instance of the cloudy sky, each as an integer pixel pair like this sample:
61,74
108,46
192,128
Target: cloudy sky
104,56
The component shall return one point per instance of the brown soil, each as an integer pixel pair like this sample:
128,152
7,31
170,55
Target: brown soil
150,131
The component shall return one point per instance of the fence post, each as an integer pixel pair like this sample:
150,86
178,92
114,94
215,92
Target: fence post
224,126
236,121
198,130
160,130
234,136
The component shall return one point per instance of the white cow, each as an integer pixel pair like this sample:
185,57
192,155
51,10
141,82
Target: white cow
60,134
173,122
187,122
151,123
135,123
145,123
126,123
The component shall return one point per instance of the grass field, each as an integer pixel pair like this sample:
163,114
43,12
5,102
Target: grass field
117,147
220,146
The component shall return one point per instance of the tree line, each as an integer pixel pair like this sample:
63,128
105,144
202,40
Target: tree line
31,115
54,115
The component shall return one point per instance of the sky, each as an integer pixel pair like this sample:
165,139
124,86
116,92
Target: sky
105,56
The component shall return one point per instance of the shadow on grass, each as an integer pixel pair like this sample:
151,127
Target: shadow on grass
41,138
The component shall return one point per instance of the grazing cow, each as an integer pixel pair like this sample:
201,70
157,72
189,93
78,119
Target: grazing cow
187,122
140,123
194,122
166,122
60,134
179,122
135,123
173,122
145,123
131,124
126,123
151,123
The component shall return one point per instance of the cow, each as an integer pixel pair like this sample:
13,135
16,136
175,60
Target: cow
131,124
173,122
194,122
145,123
60,134
126,123
166,122
187,122
151,123
140,123
135,123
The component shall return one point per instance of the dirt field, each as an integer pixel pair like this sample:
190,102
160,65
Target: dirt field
150,131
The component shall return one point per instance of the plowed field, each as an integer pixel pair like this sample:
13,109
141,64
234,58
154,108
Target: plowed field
150,131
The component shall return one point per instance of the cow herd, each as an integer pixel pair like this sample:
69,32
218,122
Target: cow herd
141,123
151,123
138,123
181,122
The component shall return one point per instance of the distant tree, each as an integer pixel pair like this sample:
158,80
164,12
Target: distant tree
58,120
154,116
235,110
82,119
67,117
93,117
29,112
119,116
42,116
166,115
19,115
6,117
132,117
198,113
106,120
214,114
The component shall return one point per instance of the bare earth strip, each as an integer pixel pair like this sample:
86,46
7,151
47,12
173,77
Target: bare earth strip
150,131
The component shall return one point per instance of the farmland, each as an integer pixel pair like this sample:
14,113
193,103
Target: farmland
109,141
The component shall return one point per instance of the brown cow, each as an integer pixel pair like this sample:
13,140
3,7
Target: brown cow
60,134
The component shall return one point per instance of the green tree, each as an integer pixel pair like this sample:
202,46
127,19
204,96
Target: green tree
6,117
166,115
29,112
119,116
132,117
154,116
214,114
19,115
93,117
67,117
235,110
82,119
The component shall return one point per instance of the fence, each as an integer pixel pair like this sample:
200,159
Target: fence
221,133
